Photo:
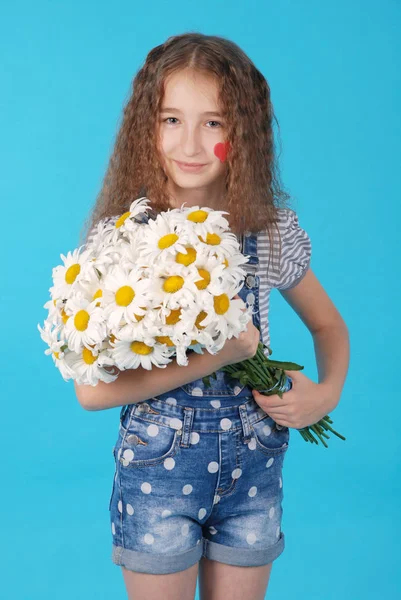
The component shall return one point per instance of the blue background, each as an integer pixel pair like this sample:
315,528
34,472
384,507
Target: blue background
334,71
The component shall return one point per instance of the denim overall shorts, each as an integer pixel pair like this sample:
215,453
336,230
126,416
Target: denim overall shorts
198,472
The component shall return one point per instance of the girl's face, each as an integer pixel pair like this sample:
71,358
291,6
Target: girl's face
192,130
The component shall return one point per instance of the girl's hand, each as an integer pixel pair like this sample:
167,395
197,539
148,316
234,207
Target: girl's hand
303,405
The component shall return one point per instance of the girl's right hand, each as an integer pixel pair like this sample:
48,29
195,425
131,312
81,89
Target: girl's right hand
241,348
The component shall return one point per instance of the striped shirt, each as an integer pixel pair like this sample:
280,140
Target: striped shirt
296,249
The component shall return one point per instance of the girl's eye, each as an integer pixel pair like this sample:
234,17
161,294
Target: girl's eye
219,124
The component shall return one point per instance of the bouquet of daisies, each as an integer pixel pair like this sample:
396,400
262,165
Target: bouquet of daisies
144,294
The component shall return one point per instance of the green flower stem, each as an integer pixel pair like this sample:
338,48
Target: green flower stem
268,376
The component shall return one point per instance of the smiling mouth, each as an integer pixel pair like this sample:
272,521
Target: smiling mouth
190,164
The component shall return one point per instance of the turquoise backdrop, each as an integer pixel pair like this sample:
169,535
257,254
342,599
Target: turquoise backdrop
334,72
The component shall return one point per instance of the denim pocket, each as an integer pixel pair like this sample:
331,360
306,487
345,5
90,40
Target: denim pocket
269,439
145,442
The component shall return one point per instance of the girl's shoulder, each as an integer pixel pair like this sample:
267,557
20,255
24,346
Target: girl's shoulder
287,218
294,258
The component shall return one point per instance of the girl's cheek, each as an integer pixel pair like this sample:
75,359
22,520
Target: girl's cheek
221,150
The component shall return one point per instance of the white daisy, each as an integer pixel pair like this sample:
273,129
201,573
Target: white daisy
50,335
86,325
204,220
89,367
159,241
125,294
225,312
131,354
174,286
64,276
221,243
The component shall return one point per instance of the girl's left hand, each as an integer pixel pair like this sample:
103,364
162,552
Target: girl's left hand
303,405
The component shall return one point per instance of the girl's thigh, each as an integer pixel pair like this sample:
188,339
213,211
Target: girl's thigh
219,581
172,586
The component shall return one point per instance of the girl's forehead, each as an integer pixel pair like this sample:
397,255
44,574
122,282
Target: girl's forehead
183,87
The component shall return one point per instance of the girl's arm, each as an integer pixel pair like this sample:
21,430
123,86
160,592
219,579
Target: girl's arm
136,385
329,331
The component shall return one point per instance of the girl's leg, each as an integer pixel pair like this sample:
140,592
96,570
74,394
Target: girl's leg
219,581
173,586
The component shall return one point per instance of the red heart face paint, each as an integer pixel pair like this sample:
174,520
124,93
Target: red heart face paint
221,150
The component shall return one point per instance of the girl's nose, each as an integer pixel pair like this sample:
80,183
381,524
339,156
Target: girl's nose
191,142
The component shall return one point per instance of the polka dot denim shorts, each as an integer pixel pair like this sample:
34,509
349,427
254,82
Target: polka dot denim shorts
196,481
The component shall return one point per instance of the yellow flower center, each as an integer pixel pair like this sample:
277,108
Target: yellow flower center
198,216
186,259
64,316
212,239
173,284
88,357
124,295
72,272
202,315
55,301
167,240
221,304
201,285
140,317
56,354
193,342
164,339
112,338
141,348
121,220
81,320
97,294
173,317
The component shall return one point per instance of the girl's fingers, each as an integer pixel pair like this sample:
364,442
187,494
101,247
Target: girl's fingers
273,402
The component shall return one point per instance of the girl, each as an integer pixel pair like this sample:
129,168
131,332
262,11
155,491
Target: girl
198,484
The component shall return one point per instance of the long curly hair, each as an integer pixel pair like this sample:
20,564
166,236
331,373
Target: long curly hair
253,190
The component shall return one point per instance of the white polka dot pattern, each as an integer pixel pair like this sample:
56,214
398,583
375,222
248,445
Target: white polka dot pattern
225,424
176,423
213,467
253,491
252,444
153,430
215,403
236,474
194,437
251,538
148,538
146,488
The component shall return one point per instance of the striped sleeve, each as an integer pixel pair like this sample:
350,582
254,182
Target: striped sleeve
296,251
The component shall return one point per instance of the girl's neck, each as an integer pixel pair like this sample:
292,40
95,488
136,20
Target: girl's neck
212,197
